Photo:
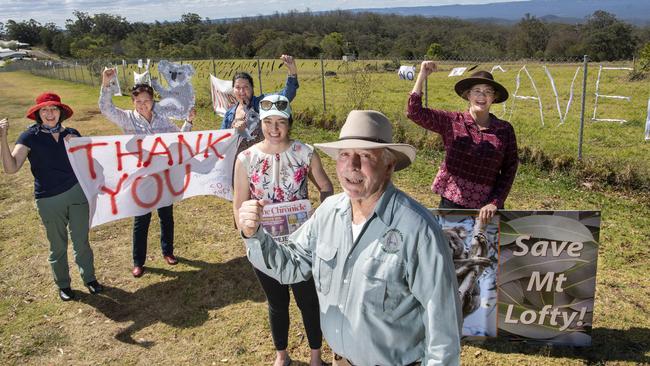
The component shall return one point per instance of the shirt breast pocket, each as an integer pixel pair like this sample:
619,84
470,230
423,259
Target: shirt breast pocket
324,267
385,286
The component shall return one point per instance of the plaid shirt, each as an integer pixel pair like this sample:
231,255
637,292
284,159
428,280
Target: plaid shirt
479,166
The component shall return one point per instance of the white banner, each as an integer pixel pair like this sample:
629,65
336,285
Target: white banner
406,72
457,71
130,175
222,95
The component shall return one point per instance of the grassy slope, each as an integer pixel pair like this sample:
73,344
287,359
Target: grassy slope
210,310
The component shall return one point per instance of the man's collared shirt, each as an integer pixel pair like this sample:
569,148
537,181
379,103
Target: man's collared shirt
388,298
132,123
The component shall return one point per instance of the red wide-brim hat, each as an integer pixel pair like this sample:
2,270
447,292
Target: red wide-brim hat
48,99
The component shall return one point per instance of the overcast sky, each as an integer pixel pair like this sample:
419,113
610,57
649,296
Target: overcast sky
57,11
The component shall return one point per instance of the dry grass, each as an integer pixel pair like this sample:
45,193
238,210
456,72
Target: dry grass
210,310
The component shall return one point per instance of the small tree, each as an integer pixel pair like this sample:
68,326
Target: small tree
435,51
644,57
332,45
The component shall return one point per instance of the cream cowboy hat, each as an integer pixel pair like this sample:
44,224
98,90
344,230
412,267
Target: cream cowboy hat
369,130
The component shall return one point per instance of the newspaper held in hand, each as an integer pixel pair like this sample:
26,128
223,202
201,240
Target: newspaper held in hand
281,219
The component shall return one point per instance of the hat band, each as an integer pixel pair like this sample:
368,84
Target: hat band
364,138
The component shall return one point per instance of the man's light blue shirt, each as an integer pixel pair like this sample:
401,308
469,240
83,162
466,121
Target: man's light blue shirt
388,298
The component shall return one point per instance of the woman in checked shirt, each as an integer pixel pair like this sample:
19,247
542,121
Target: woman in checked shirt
481,158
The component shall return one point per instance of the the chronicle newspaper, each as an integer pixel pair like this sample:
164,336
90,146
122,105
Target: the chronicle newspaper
282,219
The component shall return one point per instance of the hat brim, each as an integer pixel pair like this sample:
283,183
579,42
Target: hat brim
274,112
404,153
67,111
465,84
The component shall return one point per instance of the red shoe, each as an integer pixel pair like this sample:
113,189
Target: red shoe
137,271
170,259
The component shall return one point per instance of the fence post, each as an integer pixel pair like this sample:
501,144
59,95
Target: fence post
214,69
259,74
322,80
582,108
126,86
69,74
90,76
83,78
76,78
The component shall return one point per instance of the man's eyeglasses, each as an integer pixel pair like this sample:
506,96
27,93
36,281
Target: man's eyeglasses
487,92
280,105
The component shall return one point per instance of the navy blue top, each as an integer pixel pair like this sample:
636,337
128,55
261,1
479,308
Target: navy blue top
49,162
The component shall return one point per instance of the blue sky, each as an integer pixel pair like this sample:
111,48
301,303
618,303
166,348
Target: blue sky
57,11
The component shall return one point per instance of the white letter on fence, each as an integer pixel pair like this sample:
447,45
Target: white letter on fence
557,98
515,96
608,96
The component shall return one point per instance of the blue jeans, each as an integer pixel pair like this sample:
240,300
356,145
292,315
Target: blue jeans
141,231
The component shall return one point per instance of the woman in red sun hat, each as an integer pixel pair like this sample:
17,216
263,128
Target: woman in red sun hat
61,203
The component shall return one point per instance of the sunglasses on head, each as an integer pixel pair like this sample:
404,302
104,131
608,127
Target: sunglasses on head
137,89
280,105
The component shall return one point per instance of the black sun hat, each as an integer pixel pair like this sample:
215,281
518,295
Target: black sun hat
481,77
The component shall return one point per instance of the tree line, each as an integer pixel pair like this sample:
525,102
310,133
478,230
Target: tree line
332,34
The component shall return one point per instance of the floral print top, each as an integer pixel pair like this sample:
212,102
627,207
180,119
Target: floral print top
278,177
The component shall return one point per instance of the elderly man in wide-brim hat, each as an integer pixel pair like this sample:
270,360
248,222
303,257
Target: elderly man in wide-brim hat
382,267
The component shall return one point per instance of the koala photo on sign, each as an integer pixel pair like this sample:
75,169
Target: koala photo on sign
177,100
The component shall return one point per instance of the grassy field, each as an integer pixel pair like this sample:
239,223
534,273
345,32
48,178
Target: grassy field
619,149
210,310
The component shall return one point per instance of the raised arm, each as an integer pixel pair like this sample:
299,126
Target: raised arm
288,263
116,115
12,161
426,68
291,85
434,120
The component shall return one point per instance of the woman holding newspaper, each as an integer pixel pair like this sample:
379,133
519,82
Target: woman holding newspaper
60,201
276,169
143,120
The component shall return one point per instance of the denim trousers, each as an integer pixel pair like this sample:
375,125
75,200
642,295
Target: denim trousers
141,231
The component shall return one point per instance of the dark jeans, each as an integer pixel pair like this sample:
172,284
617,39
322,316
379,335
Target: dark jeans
277,295
141,231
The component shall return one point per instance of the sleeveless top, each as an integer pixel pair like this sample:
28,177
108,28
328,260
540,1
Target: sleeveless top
278,177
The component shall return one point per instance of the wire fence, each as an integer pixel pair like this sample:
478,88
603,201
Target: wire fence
545,94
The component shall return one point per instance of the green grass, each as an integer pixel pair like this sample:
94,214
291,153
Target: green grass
210,310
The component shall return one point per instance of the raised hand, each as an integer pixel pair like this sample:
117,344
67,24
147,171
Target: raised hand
4,127
427,67
292,69
108,75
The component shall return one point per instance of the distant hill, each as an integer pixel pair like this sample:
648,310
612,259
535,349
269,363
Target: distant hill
565,11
